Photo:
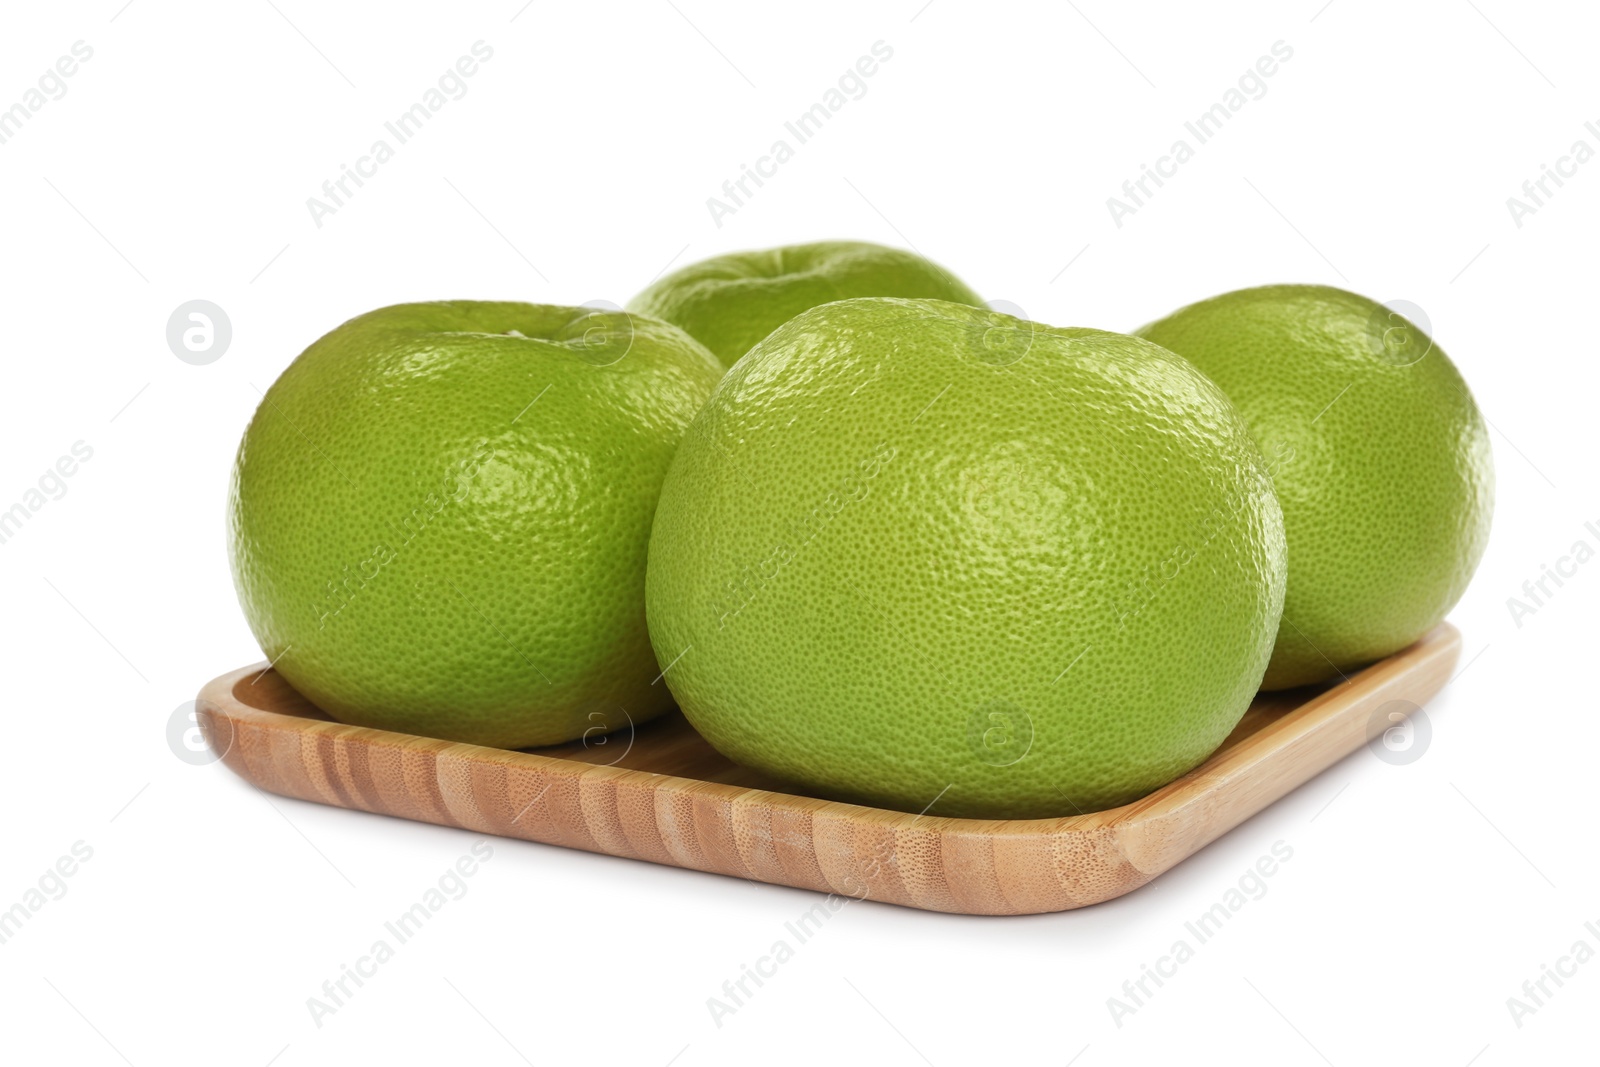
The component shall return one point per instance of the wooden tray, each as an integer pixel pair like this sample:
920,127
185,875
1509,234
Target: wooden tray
666,796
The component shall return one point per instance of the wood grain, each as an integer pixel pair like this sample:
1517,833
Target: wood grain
664,795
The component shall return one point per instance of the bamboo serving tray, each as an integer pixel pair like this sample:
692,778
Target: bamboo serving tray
666,796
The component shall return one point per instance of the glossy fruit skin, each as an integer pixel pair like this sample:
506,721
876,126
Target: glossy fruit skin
730,302
439,527
912,551
1379,454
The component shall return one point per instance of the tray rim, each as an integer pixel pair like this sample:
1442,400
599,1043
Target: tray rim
1435,654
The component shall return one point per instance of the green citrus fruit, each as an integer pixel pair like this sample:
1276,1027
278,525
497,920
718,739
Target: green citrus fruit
730,302
914,551
1379,455
440,512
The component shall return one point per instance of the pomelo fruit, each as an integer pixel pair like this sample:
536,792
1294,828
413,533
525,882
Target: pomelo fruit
730,302
915,553
1380,458
440,512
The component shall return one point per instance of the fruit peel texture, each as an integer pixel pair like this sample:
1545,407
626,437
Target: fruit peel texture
911,550
730,302
439,516
1379,454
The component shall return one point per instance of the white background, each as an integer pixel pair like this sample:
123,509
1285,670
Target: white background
577,167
